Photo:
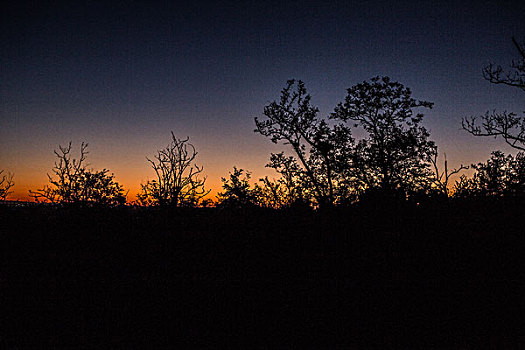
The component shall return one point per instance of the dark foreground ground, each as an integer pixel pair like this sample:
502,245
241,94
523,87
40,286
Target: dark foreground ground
444,275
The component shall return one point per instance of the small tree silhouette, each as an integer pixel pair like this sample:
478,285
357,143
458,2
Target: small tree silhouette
6,183
442,178
276,194
177,180
269,193
500,176
74,183
509,126
237,192
464,187
290,189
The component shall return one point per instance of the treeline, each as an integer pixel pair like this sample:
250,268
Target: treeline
326,165
500,176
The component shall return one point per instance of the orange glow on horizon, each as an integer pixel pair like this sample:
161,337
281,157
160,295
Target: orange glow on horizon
130,181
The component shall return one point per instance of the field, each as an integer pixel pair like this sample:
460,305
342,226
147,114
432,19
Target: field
439,275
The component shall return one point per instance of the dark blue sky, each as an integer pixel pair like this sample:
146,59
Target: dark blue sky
122,75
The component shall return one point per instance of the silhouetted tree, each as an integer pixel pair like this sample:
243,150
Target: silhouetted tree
237,191
177,180
507,125
274,194
6,183
269,193
464,187
516,184
289,190
317,146
74,183
502,175
442,178
491,177
396,153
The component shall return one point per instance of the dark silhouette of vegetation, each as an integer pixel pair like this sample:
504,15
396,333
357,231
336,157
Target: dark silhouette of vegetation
237,191
442,178
501,176
73,183
277,194
282,193
287,191
396,153
330,167
319,148
508,125
178,182
6,183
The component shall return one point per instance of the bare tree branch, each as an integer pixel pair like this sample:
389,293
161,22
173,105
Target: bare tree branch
74,183
442,178
6,183
509,126
177,181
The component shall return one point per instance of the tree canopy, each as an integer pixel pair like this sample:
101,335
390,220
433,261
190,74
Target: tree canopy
328,164
396,152
74,183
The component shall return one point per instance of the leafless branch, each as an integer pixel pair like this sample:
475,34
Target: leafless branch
442,178
177,178
6,183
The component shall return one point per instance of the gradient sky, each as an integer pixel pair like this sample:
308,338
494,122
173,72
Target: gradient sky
120,76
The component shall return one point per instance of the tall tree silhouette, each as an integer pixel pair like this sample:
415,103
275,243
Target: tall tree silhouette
6,183
74,183
396,153
178,181
508,125
293,120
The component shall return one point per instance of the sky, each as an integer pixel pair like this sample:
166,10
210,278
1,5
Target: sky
122,75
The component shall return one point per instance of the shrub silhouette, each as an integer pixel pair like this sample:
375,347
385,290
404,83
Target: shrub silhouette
290,189
237,192
6,183
501,176
177,180
74,183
